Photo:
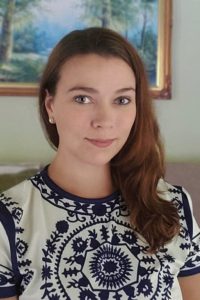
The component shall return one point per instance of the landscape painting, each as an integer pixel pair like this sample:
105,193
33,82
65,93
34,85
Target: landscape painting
29,29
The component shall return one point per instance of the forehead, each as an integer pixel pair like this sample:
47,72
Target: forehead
92,67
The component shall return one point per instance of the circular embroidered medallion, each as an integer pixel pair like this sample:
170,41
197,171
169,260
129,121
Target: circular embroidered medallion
110,267
97,261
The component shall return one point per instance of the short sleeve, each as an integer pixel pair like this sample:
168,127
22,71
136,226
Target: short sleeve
8,286
192,263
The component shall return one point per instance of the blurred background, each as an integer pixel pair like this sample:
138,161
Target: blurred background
22,140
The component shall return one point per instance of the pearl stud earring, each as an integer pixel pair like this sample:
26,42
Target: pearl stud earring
51,120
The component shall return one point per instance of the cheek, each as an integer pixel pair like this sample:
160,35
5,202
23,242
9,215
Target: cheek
71,122
128,121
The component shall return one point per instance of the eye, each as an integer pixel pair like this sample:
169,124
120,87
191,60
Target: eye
82,99
123,100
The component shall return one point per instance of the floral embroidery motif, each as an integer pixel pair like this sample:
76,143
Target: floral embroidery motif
6,277
94,261
76,209
110,267
21,245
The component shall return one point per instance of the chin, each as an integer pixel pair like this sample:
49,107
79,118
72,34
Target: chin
99,161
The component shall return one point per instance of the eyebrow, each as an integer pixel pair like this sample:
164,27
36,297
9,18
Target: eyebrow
94,91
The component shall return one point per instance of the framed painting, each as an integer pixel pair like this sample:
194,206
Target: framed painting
28,35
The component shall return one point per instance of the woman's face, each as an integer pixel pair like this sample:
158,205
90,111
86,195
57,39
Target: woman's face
94,108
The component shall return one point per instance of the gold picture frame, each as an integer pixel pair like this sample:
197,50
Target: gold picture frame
162,87
162,90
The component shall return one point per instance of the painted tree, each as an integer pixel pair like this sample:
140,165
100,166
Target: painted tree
115,14
6,42
132,18
9,11
96,13
106,13
125,15
146,13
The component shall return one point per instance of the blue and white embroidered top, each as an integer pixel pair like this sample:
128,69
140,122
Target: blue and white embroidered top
55,245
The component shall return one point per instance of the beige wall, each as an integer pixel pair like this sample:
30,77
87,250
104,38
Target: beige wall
180,118
22,138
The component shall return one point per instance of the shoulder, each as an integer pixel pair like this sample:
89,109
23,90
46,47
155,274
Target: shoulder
14,200
174,193
17,192
15,203
179,196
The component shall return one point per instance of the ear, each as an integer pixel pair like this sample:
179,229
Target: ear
49,104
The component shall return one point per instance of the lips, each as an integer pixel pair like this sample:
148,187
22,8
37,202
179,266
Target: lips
101,142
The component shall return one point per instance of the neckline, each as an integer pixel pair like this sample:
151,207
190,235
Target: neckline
57,189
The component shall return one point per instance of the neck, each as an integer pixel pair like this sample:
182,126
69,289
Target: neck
87,181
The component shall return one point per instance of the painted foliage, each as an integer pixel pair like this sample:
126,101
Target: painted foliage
31,28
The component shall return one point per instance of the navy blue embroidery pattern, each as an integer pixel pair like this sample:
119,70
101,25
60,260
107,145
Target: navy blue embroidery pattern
191,246
92,252
102,263
21,245
110,266
95,261
6,277
76,209
193,259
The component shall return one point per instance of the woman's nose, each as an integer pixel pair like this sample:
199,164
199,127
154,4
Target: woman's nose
103,117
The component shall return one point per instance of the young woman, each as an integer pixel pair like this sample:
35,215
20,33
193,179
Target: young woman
99,222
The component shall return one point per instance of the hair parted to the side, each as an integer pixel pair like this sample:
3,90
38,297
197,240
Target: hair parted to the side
139,165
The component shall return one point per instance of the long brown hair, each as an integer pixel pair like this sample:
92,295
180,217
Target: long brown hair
139,165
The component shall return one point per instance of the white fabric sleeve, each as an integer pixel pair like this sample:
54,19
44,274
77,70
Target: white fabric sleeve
7,274
192,263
